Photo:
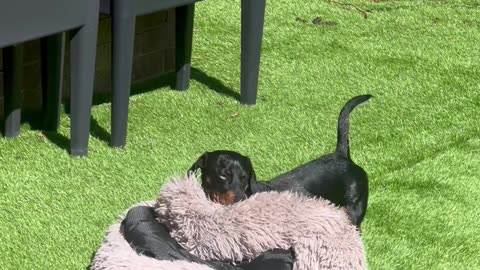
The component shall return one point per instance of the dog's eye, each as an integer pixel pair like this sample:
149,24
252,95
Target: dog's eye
223,177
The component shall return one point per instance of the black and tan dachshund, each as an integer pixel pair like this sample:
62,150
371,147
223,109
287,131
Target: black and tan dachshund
228,177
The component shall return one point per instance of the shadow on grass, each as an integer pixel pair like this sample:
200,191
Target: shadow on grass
63,142
89,266
165,80
34,119
58,139
213,83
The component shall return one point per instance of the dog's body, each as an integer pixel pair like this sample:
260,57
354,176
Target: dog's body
334,176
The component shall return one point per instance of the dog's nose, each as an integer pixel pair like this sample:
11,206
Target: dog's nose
239,196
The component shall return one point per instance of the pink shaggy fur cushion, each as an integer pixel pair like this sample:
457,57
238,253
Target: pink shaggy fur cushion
116,254
320,233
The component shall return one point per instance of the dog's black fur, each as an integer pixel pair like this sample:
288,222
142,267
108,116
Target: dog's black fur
334,176
228,177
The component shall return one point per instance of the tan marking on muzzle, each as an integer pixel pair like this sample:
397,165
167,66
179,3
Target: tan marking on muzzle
224,198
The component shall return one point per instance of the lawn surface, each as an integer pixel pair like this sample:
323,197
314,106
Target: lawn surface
418,139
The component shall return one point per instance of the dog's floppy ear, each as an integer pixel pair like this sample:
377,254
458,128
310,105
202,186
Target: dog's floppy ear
252,180
252,183
200,163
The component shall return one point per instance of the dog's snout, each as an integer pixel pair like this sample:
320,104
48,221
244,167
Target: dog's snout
224,198
235,178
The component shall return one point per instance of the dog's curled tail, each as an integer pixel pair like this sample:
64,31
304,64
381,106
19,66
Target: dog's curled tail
343,147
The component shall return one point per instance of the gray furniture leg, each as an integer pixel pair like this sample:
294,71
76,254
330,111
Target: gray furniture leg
123,35
12,70
183,51
252,16
52,52
82,68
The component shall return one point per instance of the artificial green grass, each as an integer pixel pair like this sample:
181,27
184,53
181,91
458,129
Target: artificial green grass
418,138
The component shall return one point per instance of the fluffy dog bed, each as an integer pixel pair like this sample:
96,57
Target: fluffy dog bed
139,241
115,253
319,233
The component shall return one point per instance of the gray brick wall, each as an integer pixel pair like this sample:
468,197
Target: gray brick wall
154,55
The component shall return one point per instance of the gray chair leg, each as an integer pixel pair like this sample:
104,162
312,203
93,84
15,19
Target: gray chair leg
123,35
184,34
52,51
12,70
82,69
253,12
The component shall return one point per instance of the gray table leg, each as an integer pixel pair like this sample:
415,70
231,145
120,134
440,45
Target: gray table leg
52,48
252,16
83,50
123,35
184,35
12,70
